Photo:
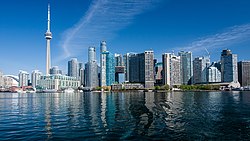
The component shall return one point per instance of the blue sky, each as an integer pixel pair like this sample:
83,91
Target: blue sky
126,25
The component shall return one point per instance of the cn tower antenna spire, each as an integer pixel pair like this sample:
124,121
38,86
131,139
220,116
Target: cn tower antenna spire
48,17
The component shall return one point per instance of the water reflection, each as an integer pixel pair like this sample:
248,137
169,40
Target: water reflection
131,115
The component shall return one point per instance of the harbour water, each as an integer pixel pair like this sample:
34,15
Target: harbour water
125,116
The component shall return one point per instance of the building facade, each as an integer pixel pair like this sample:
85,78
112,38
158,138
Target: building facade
213,73
23,78
229,70
118,60
200,68
171,69
110,69
58,82
126,58
91,70
1,79
35,76
186,67
73,68
119,74
55,70
244,73
158,73
141,68
103,63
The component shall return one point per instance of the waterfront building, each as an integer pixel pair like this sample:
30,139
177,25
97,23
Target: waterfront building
10,80
35,76
58,82
110,68
23,78
1,79
158,73
126,65
244,73
91,70
103,61
73,68
141,68
81,73
120,74
213,73
55,70
229,70
48,37
171,69
186,67
118,60
200,68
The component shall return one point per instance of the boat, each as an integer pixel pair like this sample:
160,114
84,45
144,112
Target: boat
50,91
69,90
30,90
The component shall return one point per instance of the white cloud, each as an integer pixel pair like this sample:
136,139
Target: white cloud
101,22
230,36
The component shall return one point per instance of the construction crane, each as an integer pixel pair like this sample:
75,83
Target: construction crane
208,53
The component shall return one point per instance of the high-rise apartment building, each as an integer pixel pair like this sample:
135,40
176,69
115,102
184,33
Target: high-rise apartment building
141,68
126,65
1,79
81,73
186,67
23,78
200,68
229,70
244,73
103,63
73,68
213,73
110,69
91,69
35,77
158,72
171,69
118,60
55,70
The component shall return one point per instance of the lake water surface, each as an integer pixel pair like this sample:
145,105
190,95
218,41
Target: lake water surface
125,116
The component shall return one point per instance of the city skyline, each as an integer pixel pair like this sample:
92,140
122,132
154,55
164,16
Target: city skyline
157,25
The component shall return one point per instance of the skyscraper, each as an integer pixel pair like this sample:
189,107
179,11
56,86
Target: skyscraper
55,70
200,66
171,69
23,78
81,73
213,73
48,37
110,69
126,65
244,73
229,70
186,67
1,79
73,68
158,73
118,60
91,70
141,68
92,54
35,76
103,61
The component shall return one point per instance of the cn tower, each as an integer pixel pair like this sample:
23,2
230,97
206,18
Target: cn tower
48,37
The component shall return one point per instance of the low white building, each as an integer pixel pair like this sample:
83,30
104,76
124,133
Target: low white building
58,82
